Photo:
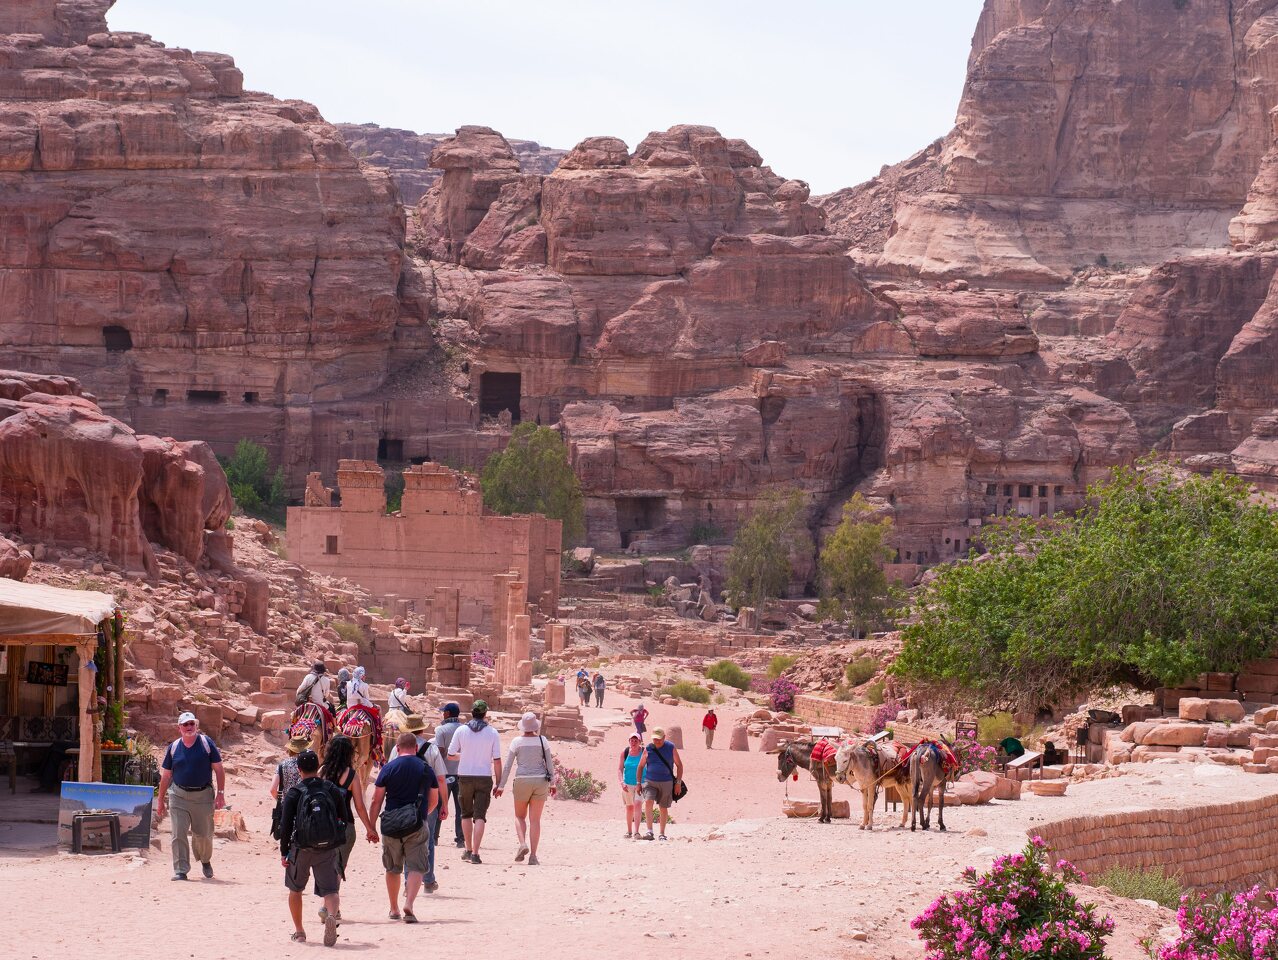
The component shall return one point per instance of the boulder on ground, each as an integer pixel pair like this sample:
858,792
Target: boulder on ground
1217,710
740,739
1175,735
810,809
1048,788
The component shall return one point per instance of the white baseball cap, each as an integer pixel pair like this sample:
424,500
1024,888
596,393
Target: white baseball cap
187,717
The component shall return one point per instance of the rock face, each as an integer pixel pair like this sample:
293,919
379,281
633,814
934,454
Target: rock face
406,155
71,475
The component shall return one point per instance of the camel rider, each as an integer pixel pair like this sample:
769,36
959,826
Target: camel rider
314,686
398,699
357,692
343,678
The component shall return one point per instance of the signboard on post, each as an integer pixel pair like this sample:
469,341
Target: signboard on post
131,803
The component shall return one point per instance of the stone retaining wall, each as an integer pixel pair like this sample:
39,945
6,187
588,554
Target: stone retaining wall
853,717
1211,847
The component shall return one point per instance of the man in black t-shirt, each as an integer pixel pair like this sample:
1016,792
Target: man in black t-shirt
302,862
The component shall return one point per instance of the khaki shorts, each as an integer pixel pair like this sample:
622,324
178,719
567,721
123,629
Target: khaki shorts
662,791
531,788
321,864
629,796
473,796
406,853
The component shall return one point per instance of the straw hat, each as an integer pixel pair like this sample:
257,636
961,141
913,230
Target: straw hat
414,724
297,744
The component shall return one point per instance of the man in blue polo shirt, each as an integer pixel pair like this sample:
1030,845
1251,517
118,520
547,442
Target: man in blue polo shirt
190,765
400,784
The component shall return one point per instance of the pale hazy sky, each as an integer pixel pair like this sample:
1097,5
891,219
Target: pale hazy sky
826,90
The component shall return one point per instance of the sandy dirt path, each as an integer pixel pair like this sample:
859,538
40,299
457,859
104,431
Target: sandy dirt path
736,880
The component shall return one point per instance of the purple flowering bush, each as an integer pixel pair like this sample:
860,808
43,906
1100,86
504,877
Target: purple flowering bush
1020,910
483,658
573,784
972,754
781,693
884,715
1224,927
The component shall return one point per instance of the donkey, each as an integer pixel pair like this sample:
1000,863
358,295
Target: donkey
795,755
871,764
927,772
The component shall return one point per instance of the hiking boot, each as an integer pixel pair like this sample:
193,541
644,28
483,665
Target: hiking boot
207,869
533,861
330,931
467,855
474,858
430,887
179,876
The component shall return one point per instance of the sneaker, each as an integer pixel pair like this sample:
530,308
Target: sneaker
523,852
533,861
460,843
467,855
430,887
474,858
648,835
662,837
207,869
179,876
330,931
323,914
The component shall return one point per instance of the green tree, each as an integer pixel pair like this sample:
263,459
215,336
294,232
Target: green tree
1162,578
759,565
256,489
853,584
532,475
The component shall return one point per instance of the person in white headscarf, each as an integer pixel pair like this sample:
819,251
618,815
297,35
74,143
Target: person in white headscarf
357,690
534,769
398,699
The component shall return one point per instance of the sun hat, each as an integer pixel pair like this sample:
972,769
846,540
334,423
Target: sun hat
187,717
413,723
658,733
529,722
635,736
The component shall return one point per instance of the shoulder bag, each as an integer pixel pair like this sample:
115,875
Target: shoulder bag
406,820
679,789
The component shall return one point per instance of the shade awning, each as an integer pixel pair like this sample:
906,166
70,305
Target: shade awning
28,609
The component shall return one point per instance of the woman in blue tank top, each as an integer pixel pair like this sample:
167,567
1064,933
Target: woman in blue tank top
628,776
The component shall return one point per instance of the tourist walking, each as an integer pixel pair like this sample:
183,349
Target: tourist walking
311,833
286,777
357,694
640,716
443,742
398,699
477,749
584,690
600,684
658,770
191,764
709,724
314,686
405,781
428,752
339,770
628,777
534,768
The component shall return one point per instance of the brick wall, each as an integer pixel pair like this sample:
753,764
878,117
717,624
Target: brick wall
853,717
1211,847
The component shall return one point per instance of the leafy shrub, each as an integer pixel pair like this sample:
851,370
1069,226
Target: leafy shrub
351,633
686,690
853,584
996,728
972,754
874,693
1224,927
843,693
230,523
573,784
1137,884
780,664
781,694
759,566
1020,910
540,668
860,670
729,674
883,716
533,475
256,489
704,533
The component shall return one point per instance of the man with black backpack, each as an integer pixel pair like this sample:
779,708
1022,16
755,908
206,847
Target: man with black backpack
312,831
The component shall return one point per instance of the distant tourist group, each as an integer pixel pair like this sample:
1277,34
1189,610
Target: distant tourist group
318,804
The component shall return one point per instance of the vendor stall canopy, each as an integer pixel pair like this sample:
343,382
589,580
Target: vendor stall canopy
32,608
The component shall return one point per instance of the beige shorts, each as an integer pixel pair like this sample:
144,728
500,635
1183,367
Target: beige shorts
531,788
629,796
405,852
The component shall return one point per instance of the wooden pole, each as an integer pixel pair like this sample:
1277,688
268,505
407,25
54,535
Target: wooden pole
119,663
87,695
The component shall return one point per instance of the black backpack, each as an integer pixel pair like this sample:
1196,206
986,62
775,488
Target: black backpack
318,824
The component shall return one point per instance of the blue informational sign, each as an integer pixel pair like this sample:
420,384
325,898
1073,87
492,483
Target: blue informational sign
131,803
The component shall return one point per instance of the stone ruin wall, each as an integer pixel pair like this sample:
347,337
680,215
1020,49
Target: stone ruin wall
441,538
1210,847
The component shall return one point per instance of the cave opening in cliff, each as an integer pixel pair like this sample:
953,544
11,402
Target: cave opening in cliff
498,392
205,396
390,450
637,515
250,396
117,339
160,398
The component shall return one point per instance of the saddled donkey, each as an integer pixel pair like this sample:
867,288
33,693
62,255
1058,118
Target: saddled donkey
930,766
799,754
871,765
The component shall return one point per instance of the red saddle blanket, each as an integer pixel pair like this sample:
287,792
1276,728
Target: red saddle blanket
823,751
